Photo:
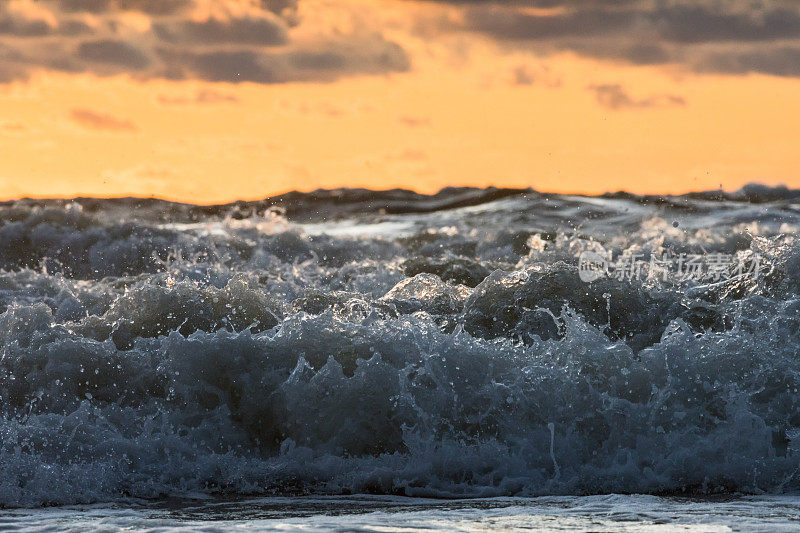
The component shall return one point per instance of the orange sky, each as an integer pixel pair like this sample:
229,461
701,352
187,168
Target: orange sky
467,111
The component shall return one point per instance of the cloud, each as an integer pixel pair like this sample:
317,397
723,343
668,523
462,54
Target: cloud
699,23
28,20
523,76
510,25
734,36
614,96
322,62
778,61
530,75
116,53
686,21
13,128
415,122
10,68
278,41
206,96
410,154
258,41
12,24
235,66
154,7
258,31
101,121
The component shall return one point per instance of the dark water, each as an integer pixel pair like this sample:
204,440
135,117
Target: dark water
360,342
372,514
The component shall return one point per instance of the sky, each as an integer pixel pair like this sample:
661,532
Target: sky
210,101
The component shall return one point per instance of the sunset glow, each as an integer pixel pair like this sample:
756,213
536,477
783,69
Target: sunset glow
468,108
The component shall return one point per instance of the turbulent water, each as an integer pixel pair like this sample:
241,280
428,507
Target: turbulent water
353,341
379,514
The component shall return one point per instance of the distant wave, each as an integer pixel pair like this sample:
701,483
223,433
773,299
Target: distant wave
340,203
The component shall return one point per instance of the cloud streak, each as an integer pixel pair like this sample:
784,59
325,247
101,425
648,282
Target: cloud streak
101,121
614,96
206,96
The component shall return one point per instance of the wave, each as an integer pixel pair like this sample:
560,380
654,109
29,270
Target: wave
325,204
388,342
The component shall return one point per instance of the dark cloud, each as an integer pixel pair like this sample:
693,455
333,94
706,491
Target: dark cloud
779,61
646,54
697,24
9,73
680,22
257,41
235,67
116,53
732,36
101,121
511,25
18,21
20,26
528,75
278,6
74,28
12,66
543,4
256,31
153,7
236,42
287,9
91,6
322,63
368,56
33,21
614,96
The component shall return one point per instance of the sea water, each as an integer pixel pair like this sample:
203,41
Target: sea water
602,513
316,346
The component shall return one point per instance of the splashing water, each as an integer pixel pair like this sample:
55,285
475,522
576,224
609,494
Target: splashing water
393,343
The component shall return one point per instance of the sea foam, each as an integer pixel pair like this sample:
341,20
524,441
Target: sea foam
358,342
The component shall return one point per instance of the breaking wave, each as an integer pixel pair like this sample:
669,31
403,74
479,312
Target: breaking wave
389,342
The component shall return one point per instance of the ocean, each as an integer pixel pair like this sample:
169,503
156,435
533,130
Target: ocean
360,360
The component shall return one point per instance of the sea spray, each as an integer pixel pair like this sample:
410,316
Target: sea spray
447,348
